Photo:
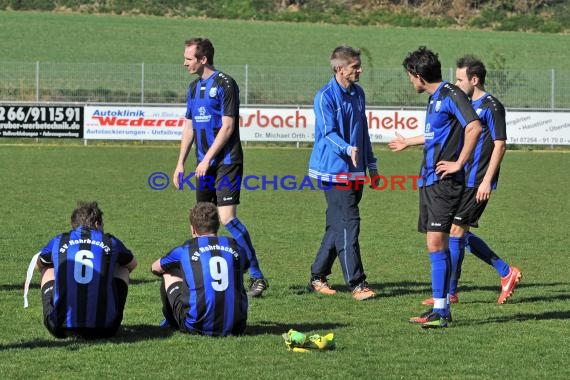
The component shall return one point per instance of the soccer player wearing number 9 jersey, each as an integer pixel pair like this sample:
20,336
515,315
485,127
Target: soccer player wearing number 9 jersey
202,287
85,276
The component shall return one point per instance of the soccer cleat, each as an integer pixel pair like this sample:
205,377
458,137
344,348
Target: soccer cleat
164,324
453,298
508,284
320,285
434,321
424,317
362,292
257,286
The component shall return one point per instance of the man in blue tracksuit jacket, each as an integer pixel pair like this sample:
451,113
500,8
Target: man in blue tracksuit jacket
340,157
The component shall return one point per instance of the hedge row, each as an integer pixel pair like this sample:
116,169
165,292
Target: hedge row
550,16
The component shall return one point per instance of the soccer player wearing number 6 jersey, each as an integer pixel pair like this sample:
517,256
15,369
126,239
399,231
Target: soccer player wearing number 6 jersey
85,276
202,287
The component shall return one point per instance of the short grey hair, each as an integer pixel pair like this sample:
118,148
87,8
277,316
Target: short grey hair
342,54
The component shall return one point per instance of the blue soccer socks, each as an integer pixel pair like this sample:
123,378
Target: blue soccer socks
479,248
440,271
457,253
241,235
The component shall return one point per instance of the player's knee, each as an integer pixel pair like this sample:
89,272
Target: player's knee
457,230
170,278
227,213
48,274
436,242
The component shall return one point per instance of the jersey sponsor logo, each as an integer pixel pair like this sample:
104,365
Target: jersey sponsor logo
428,134
202,116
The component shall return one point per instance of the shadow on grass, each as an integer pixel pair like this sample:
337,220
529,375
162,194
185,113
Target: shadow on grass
520,298
522,317
126,334
273,328
403,288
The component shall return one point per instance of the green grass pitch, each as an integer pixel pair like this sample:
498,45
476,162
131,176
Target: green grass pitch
526,222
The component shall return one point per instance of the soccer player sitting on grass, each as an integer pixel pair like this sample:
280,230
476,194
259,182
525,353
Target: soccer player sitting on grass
202,288
84,278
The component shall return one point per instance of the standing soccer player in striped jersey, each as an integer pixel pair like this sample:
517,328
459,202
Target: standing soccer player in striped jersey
202,288
212,120
481,177
85,276
451,132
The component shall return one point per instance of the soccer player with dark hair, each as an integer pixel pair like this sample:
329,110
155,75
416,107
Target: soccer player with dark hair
481,177
202,288
451,132
212,121
341,155
84,278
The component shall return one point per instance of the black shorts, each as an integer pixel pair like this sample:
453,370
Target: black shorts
469,210
438,204
221,185
56,328
177,296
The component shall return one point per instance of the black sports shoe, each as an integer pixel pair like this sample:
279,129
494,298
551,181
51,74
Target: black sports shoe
257,286
430,319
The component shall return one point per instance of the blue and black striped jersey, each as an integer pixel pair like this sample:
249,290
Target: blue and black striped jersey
492,115
213,268
448,113
84,262
207,101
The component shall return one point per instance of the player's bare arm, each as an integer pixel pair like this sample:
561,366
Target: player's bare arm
220,141
400,142
185,146
156,268
484,189
472,132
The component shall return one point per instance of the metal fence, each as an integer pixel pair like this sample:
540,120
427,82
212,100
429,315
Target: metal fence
142,83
